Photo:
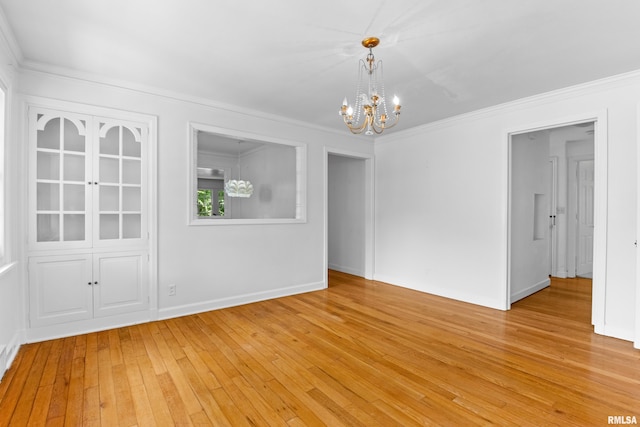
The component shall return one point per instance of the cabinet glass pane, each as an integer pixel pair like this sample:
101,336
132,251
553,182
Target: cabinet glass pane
130,147
110,144
109,170
73,227
130,171
131,226
48,197
73,197
73,140
48,165
109,226
109,198
49,137
131,199
73,167
48,227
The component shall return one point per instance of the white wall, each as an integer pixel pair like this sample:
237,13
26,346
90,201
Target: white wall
11,306
529,245
441,198
216,266
346,220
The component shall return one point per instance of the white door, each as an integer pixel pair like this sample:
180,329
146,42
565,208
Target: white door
60,289
119,171
529,215
553,201
584,265
120,283
60,185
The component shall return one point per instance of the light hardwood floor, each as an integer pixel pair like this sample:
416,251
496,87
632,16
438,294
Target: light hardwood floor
360,353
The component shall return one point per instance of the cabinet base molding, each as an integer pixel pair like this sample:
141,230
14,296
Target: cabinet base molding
62,330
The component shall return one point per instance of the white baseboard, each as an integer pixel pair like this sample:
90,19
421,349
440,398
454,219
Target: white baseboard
441,292
530,290
561,274
200,307
348,270
620,333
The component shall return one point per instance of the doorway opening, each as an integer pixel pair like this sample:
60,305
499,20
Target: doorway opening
557,208
349,213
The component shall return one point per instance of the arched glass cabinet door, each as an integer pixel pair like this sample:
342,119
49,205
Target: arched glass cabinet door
60,191
120,173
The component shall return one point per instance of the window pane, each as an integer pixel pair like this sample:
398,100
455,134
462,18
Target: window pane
73,227
48,227
109,170
109,198
110,144
109,226
48,197
73,167
131,171
48,165
49,137
73,197
131,226
131,199
205,204
130,147
73,141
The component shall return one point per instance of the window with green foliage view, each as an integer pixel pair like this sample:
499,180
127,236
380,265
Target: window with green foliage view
206,203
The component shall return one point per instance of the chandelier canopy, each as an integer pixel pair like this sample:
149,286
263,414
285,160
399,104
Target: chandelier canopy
371,114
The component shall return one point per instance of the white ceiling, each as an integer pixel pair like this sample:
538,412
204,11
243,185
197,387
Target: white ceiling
299,59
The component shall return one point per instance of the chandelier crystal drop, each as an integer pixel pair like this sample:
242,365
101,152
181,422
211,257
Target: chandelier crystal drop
370,114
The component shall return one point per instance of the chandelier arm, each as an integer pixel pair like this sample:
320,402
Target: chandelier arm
394,123
356,129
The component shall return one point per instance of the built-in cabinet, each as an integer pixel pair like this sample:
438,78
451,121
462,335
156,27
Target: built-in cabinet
88,235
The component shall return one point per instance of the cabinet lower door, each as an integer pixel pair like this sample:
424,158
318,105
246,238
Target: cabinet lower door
60,289
122,284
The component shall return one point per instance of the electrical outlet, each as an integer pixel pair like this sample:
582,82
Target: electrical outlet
172,290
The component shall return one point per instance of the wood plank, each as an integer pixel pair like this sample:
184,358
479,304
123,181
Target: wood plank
75,399
30,389
108,405
156,398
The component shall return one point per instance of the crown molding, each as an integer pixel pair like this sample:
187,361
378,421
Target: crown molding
605,83
38,68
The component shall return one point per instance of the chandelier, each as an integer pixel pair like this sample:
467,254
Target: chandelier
371,114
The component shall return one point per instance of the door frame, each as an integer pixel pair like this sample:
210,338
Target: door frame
599,118
368,214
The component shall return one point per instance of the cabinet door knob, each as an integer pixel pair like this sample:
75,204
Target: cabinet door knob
89,283
95,283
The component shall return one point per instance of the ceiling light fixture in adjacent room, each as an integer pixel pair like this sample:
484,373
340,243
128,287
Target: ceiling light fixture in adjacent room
238,188
371,113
